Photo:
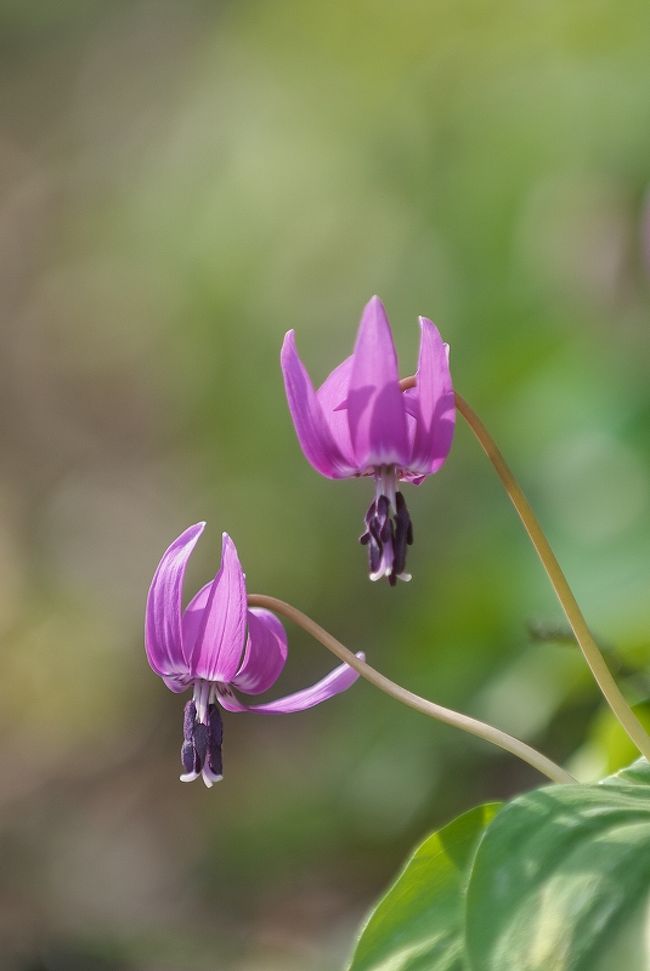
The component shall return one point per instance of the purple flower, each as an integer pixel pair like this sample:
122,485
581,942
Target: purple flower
218,644
359,422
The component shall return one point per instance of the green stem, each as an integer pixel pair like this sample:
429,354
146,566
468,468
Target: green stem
588,646
446,715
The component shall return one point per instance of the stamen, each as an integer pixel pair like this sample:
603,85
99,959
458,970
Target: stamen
202,690
189,759
202,740
189,717
388,531
215,741
209,777
385,483
403,537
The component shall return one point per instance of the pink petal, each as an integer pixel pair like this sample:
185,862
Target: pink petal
314,434
432,403
333,399
163,631
415,478
178,683
217,650
228,700
375,407
193,617
334,683
265,655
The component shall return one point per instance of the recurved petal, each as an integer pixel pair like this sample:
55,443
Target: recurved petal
228,700
178,683
163,633
375,408
334,683
314,434
220,639
265,654
432,402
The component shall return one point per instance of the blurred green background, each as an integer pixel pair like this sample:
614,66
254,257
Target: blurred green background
180,183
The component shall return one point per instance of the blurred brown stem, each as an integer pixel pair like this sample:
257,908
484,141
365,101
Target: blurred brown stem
446,715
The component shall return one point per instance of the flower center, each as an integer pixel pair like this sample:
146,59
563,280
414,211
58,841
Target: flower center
202,736
388,529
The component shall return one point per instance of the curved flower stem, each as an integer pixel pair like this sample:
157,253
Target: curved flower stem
587,644
446,715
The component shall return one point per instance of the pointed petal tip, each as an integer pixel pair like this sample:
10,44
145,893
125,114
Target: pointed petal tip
228,543
426,323
375,306
288,350
288,344
194,530
229,552
228,547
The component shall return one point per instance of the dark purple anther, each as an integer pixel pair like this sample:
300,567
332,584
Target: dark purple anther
215,739
188,758
375,535
189,717
201,749
200,742
387,536
403,536
188,752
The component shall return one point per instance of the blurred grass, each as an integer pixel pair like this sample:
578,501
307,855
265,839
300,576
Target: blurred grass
179,185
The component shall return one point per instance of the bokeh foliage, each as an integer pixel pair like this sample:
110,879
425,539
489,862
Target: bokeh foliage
180,184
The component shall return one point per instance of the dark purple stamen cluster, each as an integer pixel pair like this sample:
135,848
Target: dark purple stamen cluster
403,534
387,536
201,742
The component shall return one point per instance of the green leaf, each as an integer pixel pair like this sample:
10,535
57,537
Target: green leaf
561,880
418,924
637,774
